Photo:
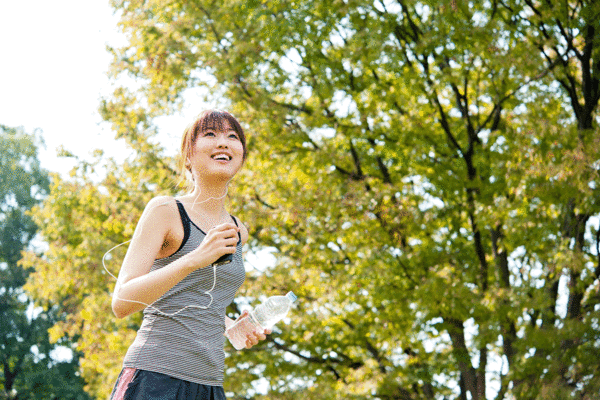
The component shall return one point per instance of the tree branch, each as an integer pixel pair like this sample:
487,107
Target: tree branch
445,124
381,361
461,353
316,360
261,201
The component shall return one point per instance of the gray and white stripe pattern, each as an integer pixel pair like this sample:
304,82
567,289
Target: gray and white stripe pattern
189,344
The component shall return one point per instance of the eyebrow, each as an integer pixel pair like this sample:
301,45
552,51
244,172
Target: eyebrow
212,130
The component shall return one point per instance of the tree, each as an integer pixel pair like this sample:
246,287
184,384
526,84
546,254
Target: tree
426,175
27,368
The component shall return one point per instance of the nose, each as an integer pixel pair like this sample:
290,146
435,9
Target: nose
221,141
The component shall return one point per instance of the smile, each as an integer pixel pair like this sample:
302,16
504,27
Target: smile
221,157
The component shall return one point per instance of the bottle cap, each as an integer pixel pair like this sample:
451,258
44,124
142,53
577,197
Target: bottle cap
291,296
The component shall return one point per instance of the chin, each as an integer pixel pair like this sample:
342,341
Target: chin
224,175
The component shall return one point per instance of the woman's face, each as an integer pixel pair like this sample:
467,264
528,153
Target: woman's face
217,153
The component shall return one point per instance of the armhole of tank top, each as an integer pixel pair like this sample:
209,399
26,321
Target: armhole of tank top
185,221
236,224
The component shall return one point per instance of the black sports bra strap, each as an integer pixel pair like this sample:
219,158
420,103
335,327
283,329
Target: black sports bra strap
236,224
185,221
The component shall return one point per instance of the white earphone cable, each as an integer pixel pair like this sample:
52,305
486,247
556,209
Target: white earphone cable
151,305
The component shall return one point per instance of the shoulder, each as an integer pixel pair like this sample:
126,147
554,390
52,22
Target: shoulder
243,230
161,209
161,204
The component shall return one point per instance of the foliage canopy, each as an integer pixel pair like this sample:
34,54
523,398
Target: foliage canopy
425,174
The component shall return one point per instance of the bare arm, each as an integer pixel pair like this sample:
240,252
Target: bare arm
137,286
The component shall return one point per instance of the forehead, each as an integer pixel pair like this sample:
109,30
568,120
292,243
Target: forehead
215,122
224,127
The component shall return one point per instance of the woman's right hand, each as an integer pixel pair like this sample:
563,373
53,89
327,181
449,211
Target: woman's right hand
219,240
137,285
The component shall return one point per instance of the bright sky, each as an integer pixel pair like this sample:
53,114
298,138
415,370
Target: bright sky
53,72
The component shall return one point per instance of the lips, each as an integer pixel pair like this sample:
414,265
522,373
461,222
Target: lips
221,157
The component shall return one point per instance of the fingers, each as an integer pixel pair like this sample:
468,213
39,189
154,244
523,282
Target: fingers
229,236
251,341
226,226
231,241
259,336
225,230
256,336
223,236
227,245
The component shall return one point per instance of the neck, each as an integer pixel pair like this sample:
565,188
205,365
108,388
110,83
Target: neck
209,198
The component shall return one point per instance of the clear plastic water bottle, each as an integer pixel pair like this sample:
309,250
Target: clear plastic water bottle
267,314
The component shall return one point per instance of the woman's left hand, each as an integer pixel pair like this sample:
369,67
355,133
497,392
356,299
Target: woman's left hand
257,335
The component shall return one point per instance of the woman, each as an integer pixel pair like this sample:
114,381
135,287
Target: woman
170,271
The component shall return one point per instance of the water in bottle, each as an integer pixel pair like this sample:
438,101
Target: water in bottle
267,314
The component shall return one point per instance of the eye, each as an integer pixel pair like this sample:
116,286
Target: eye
233,135
209,133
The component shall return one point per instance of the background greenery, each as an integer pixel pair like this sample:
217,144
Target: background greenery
425,174
28,369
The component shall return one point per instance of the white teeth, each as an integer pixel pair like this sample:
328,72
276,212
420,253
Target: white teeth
222,157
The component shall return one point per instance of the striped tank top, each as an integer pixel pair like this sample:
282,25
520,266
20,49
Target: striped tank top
189,344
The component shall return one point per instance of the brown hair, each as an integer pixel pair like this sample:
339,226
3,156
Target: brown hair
216,120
